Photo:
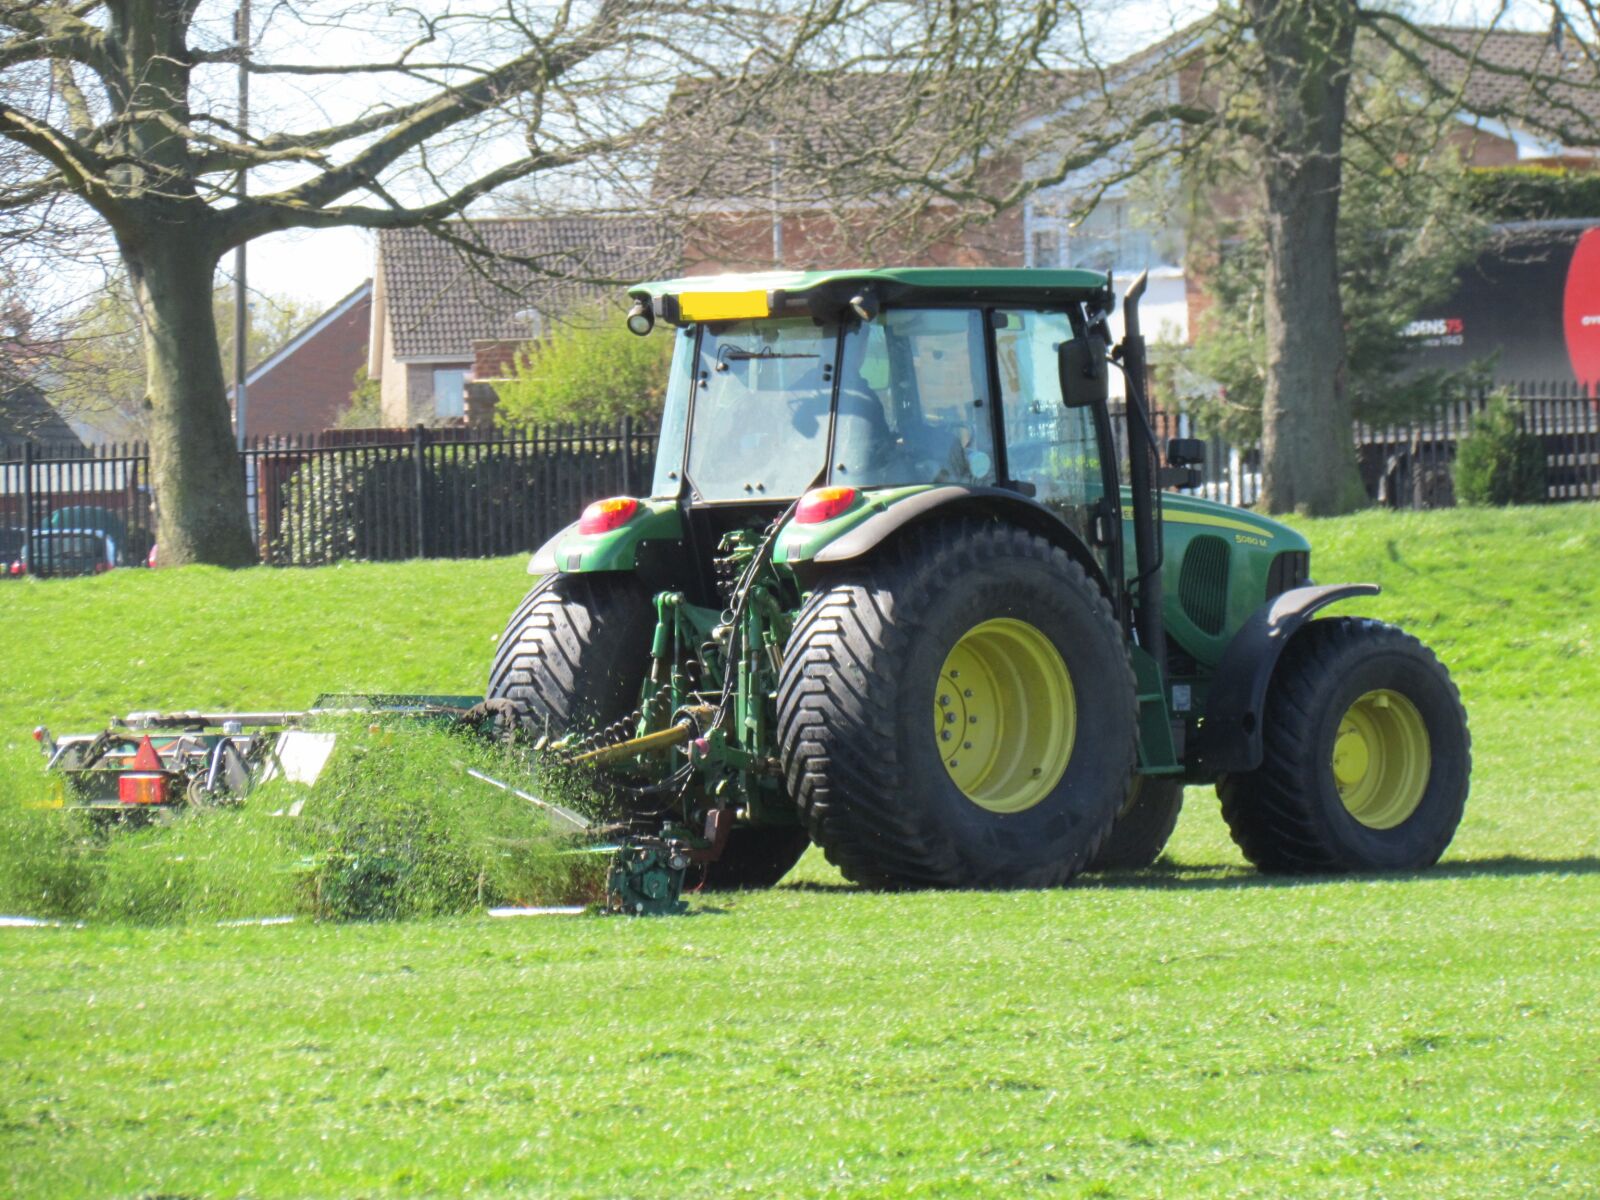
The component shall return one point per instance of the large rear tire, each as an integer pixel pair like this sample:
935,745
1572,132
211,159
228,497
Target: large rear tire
1142,828
1367,756
575,654
1004,642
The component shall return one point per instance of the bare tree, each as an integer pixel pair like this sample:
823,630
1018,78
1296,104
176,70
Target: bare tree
1270,83
131,117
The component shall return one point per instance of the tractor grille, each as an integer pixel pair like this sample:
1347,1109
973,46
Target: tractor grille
1290,569
1203,583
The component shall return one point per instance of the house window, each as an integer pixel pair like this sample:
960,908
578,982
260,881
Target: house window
449,393
1116,236
1046,248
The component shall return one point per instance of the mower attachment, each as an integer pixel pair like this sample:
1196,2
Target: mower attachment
161,761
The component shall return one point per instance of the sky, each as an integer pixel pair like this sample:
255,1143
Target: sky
321,265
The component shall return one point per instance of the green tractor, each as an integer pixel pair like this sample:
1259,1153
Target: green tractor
897,590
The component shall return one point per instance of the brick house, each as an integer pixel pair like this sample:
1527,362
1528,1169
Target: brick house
501,282
775,180
306,383
1113,237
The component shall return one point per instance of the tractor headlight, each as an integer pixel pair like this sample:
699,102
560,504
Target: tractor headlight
641,320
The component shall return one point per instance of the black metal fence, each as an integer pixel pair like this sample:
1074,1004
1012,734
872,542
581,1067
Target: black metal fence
463,493
434,493
1412,466
361,494
105,488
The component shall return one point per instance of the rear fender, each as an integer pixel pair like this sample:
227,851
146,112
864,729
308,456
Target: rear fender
574,553
1230,739
858,533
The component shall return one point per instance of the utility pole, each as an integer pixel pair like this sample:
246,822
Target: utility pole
777,209
241,306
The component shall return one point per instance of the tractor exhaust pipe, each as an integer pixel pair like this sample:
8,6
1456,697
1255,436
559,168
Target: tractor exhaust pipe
1142,482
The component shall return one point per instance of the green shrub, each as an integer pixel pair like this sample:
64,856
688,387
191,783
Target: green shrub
363,505
47,857
589,368
1533,193
1499,462
394,828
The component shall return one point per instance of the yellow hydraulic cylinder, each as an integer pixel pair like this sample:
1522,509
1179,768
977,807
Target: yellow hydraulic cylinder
663,739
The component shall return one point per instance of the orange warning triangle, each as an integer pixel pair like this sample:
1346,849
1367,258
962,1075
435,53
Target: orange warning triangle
147,759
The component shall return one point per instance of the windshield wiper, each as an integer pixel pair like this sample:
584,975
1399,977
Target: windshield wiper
734,354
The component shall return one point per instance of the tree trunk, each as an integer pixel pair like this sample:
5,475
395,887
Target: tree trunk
1308,461
193,460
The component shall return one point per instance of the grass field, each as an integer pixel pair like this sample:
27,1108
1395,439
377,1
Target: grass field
1194,1030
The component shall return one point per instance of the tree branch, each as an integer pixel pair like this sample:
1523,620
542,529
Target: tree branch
82,170
431,117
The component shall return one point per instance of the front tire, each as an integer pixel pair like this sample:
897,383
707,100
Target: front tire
1142,828
1003,640
1367,756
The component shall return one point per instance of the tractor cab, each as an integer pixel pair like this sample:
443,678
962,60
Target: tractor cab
837,387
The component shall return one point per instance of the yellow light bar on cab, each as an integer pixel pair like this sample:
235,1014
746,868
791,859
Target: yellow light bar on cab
722,306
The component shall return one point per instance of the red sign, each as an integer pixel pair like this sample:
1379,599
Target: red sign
1582,309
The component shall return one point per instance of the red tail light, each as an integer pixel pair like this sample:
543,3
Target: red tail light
17,568
605,515
823,504
141,789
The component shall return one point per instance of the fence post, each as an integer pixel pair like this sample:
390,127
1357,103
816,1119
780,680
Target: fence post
27,489
419,436
627,456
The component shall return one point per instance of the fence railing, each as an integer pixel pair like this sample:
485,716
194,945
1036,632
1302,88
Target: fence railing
1411,466
454,493
71,487
369,494
424,497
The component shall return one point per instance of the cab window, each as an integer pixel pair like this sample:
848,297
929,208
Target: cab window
1048,445
759,416
913,401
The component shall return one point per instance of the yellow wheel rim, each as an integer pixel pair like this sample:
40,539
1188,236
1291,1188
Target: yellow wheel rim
1381,759
1004,715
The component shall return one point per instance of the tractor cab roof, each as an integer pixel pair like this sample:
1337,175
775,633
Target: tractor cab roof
773,293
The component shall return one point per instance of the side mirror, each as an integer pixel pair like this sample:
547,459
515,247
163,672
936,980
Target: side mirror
1186,452
1185,457
1084,382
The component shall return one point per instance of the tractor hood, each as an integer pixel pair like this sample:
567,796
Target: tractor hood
1179,509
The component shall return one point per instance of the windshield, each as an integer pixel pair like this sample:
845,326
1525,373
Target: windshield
759,425
753,400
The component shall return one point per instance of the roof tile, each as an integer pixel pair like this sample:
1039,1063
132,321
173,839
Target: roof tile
442,296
